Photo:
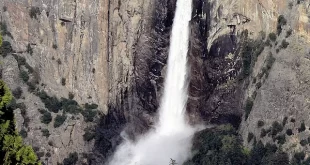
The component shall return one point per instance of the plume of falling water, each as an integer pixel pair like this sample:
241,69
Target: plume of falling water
171,138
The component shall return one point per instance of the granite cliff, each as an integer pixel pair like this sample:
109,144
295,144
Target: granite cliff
112,54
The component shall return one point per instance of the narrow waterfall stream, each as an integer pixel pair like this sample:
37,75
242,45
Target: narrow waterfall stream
171,138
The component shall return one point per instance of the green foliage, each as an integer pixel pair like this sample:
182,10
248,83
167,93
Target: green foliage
263,133
34,12
45,132
302,127
1,39
249,53
217,146
59,61
284,44
276,128
248,107
17,93
12,150
72,159
71,96
289,132
59,120
6,97
299,157
221,145
260,123
303,142
88,135
23,133
70,106
89,115
289,33
284,121
4,8
24,75
29,49
63,81
91,106
4,30
51,103
280,138
281,22
272,37
55,46
250,136
6,48
293,120
46,117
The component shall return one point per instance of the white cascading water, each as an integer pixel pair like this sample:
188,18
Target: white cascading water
171,138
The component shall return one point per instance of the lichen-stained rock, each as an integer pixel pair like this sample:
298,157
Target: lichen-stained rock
69,40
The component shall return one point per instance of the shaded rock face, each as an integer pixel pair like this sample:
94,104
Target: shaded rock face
212,97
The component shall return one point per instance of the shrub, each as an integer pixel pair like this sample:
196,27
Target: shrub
289,132
55,46
250,136
17,93
303,142
281,22
284,121
59,120
48,154
20,60
63,81
290,5
89,115
51,103
6,48
258,85
299,157
260,123
50,143
302,127
31,86
94,70
4,8
276,128
29,49
88,135
45,132
293,120
4,30
270,62
281,139
273,37
46,117
248,107
284,44
24,76
289,33
72,159
70,106
59,61
23,133
71,96
34,12
91,106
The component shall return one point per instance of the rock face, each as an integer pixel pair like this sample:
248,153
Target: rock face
113,53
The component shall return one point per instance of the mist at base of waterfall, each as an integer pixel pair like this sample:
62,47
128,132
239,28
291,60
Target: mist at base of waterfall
156,148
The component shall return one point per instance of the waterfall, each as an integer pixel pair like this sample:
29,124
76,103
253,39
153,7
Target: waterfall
171,138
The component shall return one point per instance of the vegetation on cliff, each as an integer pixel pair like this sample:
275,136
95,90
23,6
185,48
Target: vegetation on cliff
12,149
